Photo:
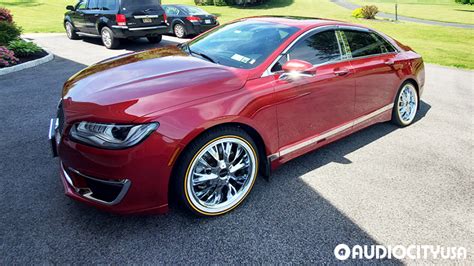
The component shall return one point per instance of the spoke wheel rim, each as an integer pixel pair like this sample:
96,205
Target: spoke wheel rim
179,30
407,104
106,38
221,175
68,30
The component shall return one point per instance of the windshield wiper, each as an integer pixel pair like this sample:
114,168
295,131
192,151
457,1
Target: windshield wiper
191,52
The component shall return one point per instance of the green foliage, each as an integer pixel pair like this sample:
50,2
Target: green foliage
23,48
9,32
369,12
465,2
357,13
7,57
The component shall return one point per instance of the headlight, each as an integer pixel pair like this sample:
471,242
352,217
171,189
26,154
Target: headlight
111,136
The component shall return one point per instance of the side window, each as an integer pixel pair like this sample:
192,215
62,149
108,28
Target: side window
385,45
82,5
93,4
317,49
366,43
172,11
108,4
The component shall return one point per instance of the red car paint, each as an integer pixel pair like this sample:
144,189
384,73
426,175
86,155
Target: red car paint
187,96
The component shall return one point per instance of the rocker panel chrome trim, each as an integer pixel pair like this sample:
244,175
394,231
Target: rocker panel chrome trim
330,133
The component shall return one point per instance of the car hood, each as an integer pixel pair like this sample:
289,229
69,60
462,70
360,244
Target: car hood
128,87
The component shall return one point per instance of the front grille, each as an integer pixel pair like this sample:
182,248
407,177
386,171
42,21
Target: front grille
61,118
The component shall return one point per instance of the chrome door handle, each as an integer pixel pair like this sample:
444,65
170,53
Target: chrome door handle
341,72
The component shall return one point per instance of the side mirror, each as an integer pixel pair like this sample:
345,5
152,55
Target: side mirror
70,8
295,68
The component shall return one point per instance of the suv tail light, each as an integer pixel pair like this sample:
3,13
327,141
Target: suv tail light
193,19
121,19
165,18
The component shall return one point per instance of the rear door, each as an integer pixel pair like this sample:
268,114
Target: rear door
375,69
143,13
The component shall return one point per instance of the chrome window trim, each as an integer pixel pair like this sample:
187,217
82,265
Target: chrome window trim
329,133
336,28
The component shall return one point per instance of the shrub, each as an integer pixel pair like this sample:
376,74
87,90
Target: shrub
8,32
357,13
6,15
7,57
23,48
369,12
465,2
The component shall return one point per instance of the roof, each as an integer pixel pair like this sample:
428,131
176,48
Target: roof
299,22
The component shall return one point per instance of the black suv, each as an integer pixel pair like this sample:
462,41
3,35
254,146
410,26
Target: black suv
115,19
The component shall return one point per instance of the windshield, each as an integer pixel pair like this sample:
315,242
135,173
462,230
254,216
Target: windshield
244,44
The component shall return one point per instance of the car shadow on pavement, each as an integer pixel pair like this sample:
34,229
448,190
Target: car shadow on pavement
284,220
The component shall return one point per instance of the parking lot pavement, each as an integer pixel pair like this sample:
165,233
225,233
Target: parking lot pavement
382,185
88,51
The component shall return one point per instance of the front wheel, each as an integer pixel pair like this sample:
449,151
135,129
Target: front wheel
405,105
108,38
70,31
217,171
154,39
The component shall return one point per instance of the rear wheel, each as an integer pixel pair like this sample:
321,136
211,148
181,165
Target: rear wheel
154,39
179,30
405,106
217,171
108,38
70,31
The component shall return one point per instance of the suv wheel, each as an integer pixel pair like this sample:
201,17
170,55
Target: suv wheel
70,31
154,39
108,39
179,30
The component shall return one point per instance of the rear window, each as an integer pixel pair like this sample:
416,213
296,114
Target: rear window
193,10
140,3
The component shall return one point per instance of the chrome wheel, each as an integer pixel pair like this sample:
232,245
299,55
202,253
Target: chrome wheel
407,104
179,30
106,38
221,175
69,30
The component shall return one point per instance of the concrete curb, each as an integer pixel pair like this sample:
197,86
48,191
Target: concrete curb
29,64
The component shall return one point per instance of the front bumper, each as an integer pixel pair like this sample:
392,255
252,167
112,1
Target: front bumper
126,32
129,181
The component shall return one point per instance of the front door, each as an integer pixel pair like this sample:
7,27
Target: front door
311,106
78,18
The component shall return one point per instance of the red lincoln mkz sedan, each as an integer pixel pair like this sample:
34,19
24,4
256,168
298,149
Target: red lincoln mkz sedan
205,118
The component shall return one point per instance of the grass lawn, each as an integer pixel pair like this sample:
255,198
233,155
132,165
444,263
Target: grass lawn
439,45
440,10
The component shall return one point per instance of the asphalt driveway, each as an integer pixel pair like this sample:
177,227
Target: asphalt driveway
382,185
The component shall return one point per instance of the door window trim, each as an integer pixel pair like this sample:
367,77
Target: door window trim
341,43
348,48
